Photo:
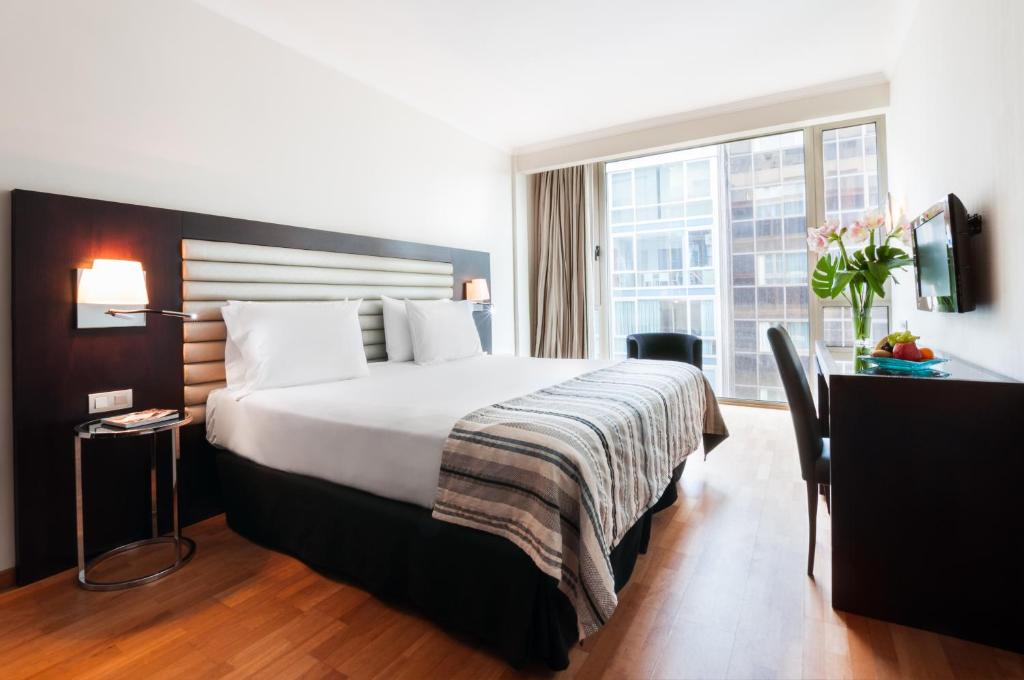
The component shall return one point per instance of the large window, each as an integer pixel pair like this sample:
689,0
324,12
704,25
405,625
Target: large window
663,218
850,188
767,236
712,241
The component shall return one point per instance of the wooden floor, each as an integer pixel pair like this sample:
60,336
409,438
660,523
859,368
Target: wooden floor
721,594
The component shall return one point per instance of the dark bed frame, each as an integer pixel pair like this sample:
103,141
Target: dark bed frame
467,581
472,583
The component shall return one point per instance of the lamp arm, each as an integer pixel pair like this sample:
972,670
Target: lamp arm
164,312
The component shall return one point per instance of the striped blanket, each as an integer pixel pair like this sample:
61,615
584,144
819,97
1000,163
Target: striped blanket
566,471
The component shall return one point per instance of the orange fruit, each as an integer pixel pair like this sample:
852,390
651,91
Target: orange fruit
927,354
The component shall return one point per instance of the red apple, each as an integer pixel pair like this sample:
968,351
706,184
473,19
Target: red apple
906,350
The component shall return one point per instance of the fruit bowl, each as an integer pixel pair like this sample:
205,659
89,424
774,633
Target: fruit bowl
903,365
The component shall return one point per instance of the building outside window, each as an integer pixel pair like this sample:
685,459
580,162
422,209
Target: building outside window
850,169
767,238
663,223
712,241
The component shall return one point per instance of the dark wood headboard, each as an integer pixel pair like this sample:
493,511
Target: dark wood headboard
55,364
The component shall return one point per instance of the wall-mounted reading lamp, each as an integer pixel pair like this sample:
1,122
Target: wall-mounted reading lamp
113,293
478,293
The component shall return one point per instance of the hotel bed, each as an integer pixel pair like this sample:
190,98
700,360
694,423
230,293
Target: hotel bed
505,498
344,475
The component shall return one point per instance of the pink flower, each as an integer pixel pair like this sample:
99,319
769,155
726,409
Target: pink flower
858,231
818,238
816,241
901,229
829,228
873,221
903,234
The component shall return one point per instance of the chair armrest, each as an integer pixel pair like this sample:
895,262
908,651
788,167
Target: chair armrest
667,347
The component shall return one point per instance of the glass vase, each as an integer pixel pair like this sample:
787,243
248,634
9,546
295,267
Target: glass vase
862,327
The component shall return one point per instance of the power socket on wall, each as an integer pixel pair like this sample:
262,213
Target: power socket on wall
101,402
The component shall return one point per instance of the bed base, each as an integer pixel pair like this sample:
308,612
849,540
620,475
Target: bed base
474,584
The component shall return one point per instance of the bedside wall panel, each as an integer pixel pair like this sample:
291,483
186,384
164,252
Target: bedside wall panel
56,365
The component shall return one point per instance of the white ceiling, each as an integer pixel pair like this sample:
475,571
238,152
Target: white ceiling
517,73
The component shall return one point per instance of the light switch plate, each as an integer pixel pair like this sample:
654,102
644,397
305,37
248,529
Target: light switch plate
101,402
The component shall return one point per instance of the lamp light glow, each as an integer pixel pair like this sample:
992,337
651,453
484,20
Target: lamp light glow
113,282
478,291
119,286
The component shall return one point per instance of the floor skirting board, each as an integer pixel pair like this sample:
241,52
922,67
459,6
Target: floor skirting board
6,579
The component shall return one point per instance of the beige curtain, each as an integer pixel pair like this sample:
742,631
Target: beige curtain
559,258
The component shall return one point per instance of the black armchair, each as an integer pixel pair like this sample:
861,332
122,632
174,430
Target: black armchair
666,346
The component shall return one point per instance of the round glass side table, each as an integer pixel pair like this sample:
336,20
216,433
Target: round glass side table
184,548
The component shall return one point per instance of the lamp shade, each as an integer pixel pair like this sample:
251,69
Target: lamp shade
113,282
477,291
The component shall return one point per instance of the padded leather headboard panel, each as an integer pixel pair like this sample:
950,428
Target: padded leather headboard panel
214,272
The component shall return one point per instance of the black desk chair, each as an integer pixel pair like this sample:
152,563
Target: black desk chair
666,346
815,462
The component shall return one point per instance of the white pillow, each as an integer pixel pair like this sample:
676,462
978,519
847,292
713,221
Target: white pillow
397,340
296,343
234,365
442,332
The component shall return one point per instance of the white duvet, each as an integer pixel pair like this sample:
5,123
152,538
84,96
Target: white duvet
383,433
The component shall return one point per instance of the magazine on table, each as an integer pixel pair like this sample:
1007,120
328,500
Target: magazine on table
136,419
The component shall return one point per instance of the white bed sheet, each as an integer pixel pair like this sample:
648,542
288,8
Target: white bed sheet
383,433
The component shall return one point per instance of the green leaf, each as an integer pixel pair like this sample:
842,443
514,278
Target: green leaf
828,280
879,273
900,263
871,267
823,277
841,281
893,252
892,257
876,284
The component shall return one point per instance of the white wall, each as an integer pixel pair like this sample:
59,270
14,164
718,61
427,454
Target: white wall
956,125
167,104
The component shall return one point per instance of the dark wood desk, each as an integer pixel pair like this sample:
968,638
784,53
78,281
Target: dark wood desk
927,502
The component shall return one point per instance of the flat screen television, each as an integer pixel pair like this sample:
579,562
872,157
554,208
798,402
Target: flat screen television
942,252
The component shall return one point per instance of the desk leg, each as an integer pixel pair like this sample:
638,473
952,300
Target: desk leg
79,523
153,508
175,454
823,405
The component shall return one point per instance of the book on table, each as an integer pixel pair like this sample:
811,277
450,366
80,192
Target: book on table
136,419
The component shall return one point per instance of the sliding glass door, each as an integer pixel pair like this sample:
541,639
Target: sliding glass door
711,241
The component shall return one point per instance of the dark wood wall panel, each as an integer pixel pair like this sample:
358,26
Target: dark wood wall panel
57,365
